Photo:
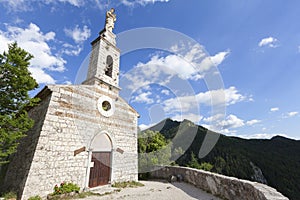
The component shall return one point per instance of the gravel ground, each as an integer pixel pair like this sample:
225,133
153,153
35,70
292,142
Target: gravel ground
156,190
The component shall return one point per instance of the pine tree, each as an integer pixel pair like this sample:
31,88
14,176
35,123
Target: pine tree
15,83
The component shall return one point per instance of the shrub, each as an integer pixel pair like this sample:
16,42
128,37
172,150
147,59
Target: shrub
37,197
65,188
206,166
127,184
85,194
10,195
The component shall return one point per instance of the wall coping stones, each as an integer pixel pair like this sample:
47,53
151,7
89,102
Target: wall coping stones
219,185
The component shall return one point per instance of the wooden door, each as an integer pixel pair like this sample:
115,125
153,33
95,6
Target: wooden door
100,173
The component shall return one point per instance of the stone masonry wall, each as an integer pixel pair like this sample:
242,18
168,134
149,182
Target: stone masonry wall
71,122
19,167
219,185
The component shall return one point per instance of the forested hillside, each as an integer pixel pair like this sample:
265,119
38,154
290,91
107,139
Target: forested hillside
275,161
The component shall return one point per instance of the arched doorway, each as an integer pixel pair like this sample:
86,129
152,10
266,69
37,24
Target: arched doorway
100,171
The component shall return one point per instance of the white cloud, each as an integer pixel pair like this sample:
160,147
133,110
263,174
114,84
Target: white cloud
76,3
166,92
68,82
269,41
252,122
292,114
215,60
180,104
219,57
41,76
232,121
212,118
132,3
274,109
228,96
16,5
188,106
71,50
189,64
197,58
262,136
145,126
28,5
289,114
33,40
174,65
79,37
143,98
225,125
189,116
77,34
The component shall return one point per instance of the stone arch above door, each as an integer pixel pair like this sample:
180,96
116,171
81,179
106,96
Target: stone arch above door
101,142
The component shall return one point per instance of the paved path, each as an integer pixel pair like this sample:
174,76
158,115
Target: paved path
156,190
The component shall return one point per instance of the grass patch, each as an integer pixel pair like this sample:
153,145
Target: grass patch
37,197
86,194
80,195
10,195
126,184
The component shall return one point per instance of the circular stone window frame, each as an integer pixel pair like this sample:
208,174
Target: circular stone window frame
106,113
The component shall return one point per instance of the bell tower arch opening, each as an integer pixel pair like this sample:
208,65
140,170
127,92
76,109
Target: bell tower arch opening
109,66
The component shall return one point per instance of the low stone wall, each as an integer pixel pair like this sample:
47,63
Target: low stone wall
219,185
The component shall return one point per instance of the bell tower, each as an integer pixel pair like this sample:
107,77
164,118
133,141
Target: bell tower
105,57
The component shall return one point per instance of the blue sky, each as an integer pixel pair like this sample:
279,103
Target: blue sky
255,46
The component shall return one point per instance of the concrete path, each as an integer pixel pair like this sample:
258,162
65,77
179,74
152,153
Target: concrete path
157,190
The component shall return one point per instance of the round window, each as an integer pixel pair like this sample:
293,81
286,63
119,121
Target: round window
106,106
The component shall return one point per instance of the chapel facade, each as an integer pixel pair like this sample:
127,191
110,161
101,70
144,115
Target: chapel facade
84,134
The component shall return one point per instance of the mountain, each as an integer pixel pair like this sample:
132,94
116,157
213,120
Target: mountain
275,161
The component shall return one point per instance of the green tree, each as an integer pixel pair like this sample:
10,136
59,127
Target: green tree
219,164
195,164
153,150
206,166
15,82
150,141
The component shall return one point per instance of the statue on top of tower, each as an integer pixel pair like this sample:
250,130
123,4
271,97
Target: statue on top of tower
110,20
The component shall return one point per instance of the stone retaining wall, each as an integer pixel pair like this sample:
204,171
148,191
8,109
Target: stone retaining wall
219,185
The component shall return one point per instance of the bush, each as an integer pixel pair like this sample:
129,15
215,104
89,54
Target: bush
206,166
10,195
127,184
144,176
65,188
37,197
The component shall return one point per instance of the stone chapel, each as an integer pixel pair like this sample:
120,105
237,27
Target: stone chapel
84,134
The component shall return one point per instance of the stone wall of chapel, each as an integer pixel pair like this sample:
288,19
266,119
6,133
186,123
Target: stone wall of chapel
19,167
71,122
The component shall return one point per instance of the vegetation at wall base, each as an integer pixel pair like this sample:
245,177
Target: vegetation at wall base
126,184
37,197
65,188
9,195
